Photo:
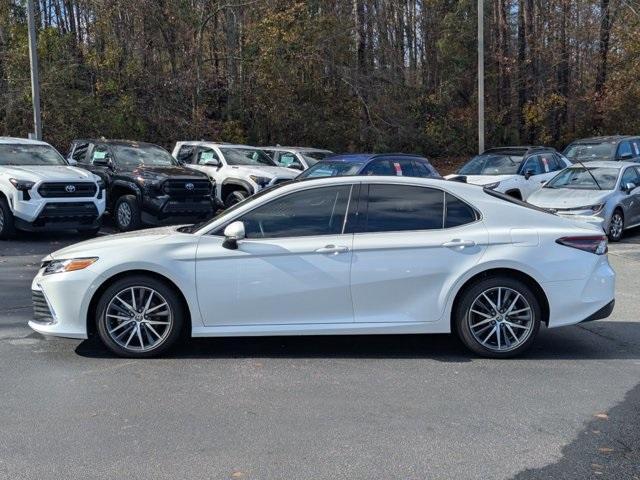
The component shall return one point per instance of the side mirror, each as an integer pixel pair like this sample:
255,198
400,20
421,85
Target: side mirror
528,174
296,166
212,163
232,233
72,162
629,187
625,156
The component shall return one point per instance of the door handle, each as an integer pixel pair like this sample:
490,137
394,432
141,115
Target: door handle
459,243
333,249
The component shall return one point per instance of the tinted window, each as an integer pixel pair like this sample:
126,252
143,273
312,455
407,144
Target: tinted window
205,155
329,168
589,151
630,175
624,150
394,208
141,154
423,169
457,212
379,167
185,154
534,165
319,211
80,152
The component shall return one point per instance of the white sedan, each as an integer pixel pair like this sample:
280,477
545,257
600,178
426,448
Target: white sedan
341,255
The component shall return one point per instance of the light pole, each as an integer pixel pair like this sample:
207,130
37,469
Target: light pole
481,76
35,81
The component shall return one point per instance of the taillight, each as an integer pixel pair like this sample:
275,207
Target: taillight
595,244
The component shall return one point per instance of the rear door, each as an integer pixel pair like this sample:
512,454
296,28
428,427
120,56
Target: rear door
410,245
631,200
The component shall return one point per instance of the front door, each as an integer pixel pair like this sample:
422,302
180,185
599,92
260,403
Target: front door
292,267
410,245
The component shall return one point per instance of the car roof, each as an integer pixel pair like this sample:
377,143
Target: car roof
605,164
365,157
20,141
602,139
519,149
217,144
126,143
297,149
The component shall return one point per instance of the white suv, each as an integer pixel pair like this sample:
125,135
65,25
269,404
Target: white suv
39,190
238,171
299,158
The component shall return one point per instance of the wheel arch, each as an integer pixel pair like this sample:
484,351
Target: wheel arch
121,187
93,304
231,184
509,272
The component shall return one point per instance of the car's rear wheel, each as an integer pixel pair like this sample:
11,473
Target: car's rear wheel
7,228
498,317
234,197
139,317
127,213
616,226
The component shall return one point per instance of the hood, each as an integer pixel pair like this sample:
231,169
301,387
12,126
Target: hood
118,241
567,197
50,173
162,173
267,171
482,179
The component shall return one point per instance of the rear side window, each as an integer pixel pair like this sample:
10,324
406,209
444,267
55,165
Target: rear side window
379,167
185,154
393,208
423,169
458,212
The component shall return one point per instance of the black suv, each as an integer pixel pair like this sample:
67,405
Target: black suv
615,148
144,183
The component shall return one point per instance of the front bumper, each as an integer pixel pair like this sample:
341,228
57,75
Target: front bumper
167,210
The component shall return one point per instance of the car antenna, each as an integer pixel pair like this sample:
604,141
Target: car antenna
589,172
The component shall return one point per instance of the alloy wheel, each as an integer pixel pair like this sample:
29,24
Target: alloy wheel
138,319
617,224
500,319
124,214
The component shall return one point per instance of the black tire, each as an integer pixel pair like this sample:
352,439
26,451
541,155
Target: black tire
7,226
235,197
166,293
126,213
463,317
615,234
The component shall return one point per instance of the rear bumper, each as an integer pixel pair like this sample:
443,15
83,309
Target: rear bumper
604,312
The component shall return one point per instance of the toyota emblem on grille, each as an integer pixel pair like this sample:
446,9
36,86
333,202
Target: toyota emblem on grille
70,188
189,186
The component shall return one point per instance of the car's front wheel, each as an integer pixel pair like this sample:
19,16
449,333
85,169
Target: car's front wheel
498,317
7,229
616,226
139,316
127,213
234,197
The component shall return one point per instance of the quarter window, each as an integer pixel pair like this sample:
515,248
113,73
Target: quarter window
393,208
318,211
457,212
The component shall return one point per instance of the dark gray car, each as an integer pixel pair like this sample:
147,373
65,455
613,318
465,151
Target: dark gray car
606,194
615,148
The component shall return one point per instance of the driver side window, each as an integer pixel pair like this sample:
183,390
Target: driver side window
318,211
205,155
630,175
100,153
534,166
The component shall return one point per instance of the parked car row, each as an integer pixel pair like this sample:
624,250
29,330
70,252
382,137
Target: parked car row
142,184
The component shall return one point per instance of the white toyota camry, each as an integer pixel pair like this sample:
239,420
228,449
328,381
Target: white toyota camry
342,255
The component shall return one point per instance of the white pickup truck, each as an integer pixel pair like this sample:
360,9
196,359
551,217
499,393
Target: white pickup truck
238,171
39,190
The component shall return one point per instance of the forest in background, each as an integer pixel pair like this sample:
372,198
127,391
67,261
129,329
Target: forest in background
349,75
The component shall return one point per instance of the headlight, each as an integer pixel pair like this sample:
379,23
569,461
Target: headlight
68,265
491,186
595,209
22,185
262,181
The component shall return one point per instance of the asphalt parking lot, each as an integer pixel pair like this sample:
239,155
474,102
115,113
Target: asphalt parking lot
363,407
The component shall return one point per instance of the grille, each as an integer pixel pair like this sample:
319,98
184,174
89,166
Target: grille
181,188
41,310
68,210
67,189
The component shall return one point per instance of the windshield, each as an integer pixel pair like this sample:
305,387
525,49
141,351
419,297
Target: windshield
578,178
246,156
143,155
328,168
16,154
585,152
315,156
492,164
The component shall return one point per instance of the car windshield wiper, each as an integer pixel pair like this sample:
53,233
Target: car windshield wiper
591,174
